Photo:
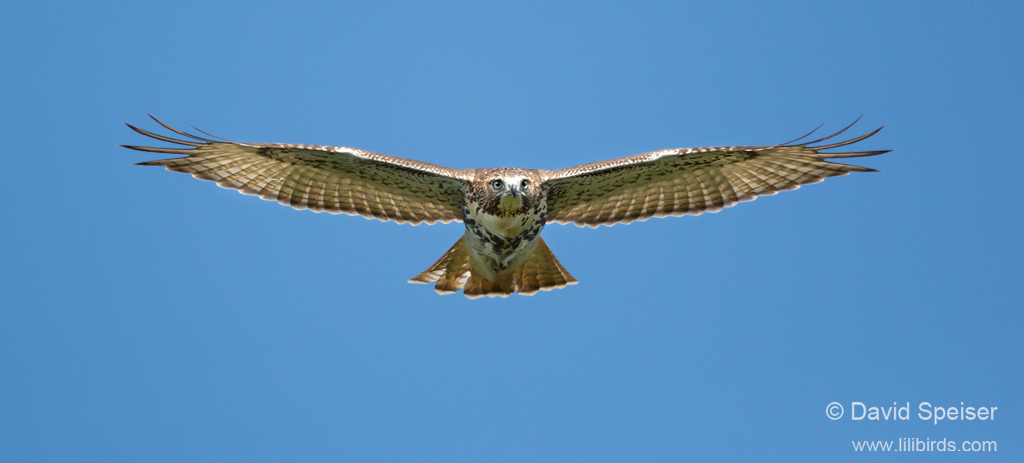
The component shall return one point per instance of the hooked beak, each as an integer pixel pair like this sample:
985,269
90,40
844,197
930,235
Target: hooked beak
511,203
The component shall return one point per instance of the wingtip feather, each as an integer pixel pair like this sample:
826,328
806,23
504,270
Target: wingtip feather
179,132
150,149
159,162
835,134
161,137
805,136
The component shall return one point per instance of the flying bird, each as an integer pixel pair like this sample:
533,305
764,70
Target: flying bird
504,209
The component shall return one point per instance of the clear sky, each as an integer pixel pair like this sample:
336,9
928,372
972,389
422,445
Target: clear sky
148,316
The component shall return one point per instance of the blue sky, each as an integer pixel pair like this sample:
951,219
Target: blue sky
147,316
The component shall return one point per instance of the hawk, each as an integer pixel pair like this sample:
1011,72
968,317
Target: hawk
504,209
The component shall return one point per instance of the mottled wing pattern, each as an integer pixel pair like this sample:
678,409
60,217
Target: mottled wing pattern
691,181
321,178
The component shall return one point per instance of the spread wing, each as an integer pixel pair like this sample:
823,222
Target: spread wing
321,178
685,181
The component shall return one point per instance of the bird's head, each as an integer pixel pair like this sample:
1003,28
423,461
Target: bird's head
507,192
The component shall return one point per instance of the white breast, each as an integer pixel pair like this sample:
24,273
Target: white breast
503,227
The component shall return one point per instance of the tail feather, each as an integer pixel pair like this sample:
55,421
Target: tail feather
541,272
450,271
453,271
478,286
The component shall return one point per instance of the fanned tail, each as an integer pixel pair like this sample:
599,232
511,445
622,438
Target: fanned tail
453,271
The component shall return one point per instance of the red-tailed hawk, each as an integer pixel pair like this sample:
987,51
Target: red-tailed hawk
504,209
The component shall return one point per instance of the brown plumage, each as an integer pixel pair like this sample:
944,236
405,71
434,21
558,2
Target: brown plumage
504,209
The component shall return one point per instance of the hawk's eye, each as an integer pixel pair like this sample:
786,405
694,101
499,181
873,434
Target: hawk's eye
496,184
525,183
